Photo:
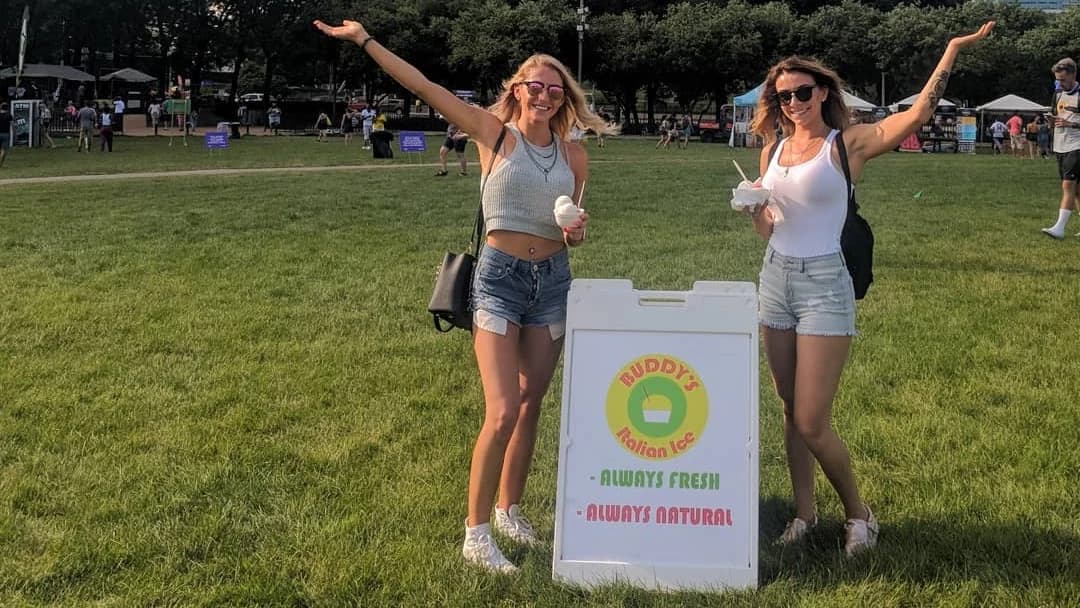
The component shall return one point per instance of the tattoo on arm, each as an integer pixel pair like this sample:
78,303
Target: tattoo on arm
938,82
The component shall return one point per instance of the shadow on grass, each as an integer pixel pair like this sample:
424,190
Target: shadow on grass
1019,554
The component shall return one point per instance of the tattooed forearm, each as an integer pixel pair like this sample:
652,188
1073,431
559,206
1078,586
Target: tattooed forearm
937,85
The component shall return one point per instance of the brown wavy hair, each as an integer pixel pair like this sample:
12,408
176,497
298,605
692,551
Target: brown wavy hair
768,118
574,109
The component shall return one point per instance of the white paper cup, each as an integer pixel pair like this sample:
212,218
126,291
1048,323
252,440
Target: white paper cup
745,198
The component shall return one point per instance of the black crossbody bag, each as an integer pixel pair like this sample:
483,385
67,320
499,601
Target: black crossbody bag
451,299
856,239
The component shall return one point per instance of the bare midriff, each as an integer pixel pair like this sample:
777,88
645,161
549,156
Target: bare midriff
524,246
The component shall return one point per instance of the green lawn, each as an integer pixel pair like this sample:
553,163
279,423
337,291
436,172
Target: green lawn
225,390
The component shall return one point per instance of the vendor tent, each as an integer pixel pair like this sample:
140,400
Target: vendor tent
743,113
1008,104
748,98
854,103
45,70
1012,103
910,100
129,75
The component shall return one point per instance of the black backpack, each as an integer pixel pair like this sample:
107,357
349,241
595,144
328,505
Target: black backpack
856,239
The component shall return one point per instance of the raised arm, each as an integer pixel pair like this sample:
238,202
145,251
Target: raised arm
480,124
867,141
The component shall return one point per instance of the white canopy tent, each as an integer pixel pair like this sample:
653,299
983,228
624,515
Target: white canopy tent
1012,103
1008,104
910,100
129,75
854,103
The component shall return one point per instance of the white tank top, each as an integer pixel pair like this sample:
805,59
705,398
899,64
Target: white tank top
809,202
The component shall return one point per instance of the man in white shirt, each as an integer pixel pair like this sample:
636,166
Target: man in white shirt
1065,118
998,131
368,116
118,115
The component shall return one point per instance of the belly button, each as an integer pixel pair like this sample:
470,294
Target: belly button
532,250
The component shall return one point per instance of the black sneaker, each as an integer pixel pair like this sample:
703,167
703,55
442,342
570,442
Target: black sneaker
440,173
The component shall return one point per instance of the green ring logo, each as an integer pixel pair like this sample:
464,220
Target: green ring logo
657,407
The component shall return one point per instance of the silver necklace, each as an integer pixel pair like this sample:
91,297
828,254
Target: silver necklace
799,156
536,156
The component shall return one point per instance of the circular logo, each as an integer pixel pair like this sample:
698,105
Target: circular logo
657,407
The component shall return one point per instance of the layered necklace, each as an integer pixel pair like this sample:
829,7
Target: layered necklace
799,155
539,158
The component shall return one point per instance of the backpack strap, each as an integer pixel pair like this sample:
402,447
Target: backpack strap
853,207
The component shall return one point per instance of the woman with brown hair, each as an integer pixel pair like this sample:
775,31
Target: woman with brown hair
523,275
806,303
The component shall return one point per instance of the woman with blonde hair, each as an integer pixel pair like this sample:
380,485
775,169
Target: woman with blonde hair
806,300
523,275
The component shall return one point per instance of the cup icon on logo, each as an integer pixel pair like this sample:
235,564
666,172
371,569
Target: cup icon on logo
656,409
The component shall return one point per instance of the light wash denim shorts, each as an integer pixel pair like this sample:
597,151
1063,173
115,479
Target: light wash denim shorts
814,296
523,292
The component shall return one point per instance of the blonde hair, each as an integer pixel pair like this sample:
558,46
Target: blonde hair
573,111
769,117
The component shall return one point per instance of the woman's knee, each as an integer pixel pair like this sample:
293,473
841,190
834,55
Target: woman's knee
500,424
812,427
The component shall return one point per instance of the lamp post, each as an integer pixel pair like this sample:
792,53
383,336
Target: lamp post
582,27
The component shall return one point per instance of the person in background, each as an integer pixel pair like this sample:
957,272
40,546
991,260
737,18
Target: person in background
367,120
1031,136
155,115
456,140
118,114
998,130
273,119
87,119
45,120
1043,138
106,120
1065,114
806,297
350,122
522,276
1016,135
323,124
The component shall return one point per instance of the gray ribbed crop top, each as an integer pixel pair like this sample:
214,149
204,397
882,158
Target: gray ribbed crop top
519,197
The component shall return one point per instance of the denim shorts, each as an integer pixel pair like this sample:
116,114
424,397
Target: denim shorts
507,289
814,296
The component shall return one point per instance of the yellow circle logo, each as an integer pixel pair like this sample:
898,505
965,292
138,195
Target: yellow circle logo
657,407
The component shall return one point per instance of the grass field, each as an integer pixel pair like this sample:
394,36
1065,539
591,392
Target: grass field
225,390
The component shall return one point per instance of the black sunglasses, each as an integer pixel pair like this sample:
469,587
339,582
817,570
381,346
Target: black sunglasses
803,93
555,91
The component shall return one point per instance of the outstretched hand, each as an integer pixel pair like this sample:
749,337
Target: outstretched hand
966,41
348,30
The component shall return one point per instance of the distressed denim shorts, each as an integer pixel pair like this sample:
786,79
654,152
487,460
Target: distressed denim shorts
814,296
526,293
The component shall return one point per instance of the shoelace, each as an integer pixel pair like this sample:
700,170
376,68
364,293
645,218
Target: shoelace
488,549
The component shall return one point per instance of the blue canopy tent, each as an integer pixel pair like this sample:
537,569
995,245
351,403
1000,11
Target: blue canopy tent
743,112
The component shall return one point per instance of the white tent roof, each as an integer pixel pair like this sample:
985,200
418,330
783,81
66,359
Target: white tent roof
854,103
129,75
910,100
1012,103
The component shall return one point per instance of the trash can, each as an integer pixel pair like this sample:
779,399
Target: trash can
380,144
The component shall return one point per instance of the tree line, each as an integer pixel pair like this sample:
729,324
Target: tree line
692,52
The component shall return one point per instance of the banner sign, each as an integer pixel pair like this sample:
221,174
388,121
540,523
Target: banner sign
412,141
658,456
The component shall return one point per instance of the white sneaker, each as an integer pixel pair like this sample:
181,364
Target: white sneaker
861,533
511,523
796,530
480,550
1053,233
